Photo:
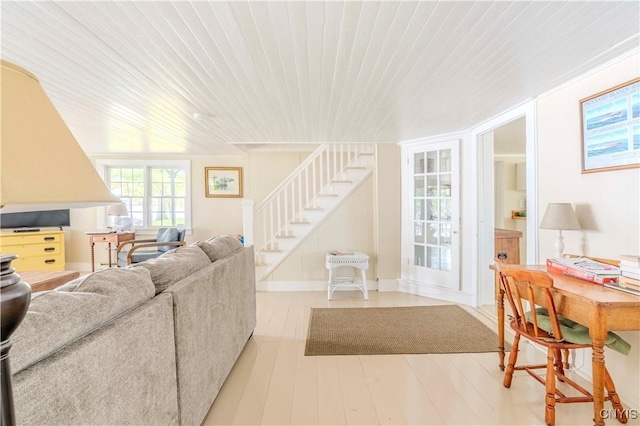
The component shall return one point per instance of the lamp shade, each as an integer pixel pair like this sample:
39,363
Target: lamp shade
559,216
42,167
119,209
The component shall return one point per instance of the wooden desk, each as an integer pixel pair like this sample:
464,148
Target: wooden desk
600,308
110,238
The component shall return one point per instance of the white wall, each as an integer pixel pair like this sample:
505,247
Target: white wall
388,210
268,169
607,203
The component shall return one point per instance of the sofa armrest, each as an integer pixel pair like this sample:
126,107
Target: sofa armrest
125,243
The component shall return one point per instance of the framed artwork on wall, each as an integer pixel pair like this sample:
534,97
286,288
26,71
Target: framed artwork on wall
223,182
611,128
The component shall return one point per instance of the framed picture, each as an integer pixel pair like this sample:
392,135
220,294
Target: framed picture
223,182
611,128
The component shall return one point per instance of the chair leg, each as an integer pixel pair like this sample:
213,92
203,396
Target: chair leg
621,415
565,358
513,356
559,363
550,385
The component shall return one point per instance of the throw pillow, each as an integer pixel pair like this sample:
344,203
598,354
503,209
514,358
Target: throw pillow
174,265
219,247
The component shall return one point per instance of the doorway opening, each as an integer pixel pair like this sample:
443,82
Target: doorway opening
506,192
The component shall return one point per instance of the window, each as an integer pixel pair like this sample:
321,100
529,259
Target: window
156,193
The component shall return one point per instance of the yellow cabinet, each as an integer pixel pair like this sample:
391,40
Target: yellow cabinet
37,251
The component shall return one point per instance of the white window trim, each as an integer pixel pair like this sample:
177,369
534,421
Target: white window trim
102,164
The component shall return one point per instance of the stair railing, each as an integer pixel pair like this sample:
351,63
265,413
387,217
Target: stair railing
297,194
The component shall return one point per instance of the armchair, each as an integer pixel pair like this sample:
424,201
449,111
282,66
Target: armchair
166,239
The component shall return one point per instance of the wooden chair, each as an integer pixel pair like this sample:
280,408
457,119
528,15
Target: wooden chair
534,287
166,239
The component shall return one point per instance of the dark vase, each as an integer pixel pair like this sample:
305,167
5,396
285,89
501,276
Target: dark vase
15,296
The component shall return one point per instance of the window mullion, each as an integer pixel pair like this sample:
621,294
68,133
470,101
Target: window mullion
147,197
173,195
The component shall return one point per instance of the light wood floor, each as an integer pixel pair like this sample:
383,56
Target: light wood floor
273,383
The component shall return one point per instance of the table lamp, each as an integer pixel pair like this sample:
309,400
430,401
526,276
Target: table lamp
117,210
559,216
42,167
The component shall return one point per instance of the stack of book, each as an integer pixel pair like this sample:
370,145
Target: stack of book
584,269
630,272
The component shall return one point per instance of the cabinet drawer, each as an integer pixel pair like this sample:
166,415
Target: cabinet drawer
33,250
16,239
112,238
39,263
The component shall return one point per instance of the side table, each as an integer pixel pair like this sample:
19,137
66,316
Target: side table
114,238
356,260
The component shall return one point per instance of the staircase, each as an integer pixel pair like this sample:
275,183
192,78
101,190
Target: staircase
305,199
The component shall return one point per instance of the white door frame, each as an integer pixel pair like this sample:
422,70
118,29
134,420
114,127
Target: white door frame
485,247
406,284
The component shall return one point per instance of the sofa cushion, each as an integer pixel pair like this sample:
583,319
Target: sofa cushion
59,317
575,332
219,247
174,266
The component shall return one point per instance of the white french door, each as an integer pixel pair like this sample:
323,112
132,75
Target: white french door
431,217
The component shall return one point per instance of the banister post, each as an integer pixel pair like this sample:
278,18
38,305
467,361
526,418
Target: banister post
247,221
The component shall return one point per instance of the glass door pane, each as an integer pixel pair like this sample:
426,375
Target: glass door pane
432,177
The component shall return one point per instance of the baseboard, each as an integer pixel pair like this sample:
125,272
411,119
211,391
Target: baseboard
309,285
419,289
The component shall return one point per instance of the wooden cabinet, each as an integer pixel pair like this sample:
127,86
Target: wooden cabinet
507,245
37,251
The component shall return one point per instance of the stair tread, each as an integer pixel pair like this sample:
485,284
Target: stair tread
285,236
356,168
306,222
314,209
327,195
341,181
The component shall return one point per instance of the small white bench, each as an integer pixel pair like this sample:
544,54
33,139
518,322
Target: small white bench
356,260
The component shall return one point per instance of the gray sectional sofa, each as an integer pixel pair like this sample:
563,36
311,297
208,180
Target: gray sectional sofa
148,344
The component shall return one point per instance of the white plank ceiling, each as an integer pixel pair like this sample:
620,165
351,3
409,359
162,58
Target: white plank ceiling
128,76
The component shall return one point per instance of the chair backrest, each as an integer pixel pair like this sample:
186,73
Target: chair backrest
166,235
534,287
